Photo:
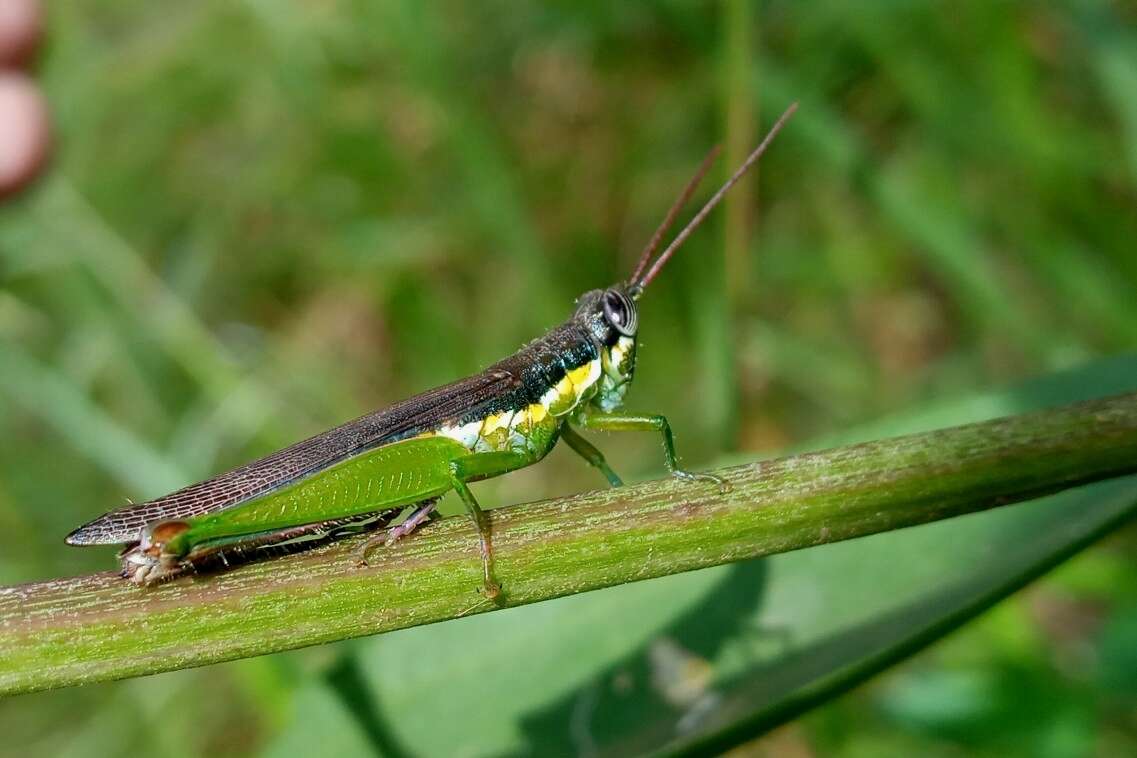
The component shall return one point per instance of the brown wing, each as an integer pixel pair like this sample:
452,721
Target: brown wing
419,413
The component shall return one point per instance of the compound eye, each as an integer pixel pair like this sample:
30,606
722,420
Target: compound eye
620,312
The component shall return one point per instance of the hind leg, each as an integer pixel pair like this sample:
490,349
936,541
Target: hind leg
142,567
472,468
422,513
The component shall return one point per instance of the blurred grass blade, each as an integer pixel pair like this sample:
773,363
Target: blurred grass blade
848,630
807,677
64,223
84,425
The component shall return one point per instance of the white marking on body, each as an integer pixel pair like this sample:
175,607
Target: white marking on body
521,427
465,435
520,421
616,356
551,396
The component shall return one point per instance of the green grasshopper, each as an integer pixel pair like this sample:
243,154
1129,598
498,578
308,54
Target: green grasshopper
364,474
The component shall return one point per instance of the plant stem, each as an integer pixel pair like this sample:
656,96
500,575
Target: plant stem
100,627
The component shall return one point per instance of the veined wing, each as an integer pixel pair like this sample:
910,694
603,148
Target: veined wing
419,413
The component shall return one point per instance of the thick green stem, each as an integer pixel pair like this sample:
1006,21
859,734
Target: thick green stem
99,627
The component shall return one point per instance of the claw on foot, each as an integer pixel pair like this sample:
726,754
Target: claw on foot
689,476
361,556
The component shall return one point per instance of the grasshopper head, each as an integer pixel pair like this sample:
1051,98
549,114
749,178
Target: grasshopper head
610,316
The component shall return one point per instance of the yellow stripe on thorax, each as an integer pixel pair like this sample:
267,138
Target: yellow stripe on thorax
575,386
510,430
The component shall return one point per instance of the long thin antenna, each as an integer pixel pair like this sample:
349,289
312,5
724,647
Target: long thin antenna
694,223
669,219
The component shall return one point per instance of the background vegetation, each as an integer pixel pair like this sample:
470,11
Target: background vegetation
268,217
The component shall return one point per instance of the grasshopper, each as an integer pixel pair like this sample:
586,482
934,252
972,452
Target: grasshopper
364,474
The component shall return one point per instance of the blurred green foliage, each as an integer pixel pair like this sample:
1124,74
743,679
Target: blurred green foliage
265,218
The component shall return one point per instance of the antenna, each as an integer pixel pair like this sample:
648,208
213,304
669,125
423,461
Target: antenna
677,206
638,285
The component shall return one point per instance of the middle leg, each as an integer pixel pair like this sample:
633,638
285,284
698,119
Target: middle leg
588,452
626,422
